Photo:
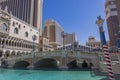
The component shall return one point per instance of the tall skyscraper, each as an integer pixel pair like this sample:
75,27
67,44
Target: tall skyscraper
29,11
118,10
111,10
53,31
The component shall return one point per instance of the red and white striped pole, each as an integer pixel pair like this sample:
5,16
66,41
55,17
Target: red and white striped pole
99,22
108,62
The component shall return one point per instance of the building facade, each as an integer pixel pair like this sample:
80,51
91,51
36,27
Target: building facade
29,11
94,44
69,38
16,36
53,31
118,10
45,46
75,47
112,17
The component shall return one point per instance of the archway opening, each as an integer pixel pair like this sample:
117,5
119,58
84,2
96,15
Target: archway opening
1,54
21,65
18,53
72,64
47,63
7,53
13,53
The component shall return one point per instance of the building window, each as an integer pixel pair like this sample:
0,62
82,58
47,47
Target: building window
17,23
112,2
26,34
114,9
16,31
4,27
13,24
19,26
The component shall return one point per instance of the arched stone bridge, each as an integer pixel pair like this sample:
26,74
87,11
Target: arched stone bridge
62,58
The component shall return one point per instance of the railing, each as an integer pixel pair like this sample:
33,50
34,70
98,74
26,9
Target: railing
48,54
16,48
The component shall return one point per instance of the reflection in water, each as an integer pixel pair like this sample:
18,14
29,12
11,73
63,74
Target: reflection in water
7,74
24,73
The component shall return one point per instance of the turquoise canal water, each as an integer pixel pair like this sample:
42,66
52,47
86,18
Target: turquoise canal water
6,74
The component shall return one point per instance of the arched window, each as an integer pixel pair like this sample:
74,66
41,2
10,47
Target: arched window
26,34
13,24
16,31
4,27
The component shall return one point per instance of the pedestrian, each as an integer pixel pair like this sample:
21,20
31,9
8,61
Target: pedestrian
91,69
84,64
91,65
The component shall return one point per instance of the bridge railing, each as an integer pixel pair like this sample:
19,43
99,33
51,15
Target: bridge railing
48,54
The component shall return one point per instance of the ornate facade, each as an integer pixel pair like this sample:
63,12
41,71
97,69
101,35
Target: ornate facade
29,11
16,36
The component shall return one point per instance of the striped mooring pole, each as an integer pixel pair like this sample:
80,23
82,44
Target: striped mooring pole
108,62
99,22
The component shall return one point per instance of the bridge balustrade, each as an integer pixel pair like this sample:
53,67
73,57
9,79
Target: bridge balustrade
50,54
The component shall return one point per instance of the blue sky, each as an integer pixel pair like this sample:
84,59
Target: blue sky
76,16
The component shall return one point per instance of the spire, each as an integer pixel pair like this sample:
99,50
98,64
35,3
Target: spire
6,9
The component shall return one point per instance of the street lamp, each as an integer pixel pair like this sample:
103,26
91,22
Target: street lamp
33,54
64,48
99,22
2,46
3,64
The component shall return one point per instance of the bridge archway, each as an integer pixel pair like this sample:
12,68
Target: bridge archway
7,53
47,63
12,53
18,53
1,53
21,65
72,64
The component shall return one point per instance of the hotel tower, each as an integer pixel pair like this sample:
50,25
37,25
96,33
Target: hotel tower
29,11
112,11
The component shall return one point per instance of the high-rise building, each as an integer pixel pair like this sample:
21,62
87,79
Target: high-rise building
111,10
69,38
118,10
53,31
29,11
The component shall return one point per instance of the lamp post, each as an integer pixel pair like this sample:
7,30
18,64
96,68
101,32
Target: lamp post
64,49
33,54
100,22
3,46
